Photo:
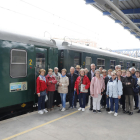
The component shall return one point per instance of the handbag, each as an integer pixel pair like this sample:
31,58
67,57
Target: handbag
81,90
46,98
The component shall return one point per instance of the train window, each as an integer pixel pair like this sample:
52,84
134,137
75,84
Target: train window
76,61
40,62
137,65
100,63
18,63
128,65
133,64
88,62
112,64
122,64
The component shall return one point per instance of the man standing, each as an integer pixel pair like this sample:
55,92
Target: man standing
77,69
90,75
136,91
72,78
56,99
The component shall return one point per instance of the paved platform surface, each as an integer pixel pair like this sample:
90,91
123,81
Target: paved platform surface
71,125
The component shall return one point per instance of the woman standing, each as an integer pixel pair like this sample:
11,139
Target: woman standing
82,81
63,88
41,88
128,84
114,92
107,78
86,71
137,73
51,81
103,100
96,87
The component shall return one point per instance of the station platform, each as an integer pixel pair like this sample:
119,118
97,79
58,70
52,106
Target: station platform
71,125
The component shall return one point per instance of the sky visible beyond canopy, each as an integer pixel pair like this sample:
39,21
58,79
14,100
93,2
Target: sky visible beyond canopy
60,18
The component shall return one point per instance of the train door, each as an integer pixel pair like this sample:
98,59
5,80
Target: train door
41,61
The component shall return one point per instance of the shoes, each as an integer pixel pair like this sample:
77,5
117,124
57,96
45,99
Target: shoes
136,108
110,112
52,109
80,109
90,109
138,111
126,112
75,107
115,114
58,105
44,110
63,109
94,111
40,112
107,109
130,113
48,110
83,109
98,111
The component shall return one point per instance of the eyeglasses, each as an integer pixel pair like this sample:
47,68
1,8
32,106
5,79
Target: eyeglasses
112,75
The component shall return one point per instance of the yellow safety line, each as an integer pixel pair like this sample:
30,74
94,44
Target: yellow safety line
26,131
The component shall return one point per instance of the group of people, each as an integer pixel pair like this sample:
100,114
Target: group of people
107,89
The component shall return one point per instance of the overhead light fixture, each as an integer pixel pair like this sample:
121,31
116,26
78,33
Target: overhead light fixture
119,17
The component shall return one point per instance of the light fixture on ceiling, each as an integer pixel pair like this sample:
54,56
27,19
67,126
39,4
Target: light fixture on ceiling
119,17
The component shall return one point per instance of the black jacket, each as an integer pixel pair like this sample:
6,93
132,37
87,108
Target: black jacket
128,89
89,75
106,81
71,87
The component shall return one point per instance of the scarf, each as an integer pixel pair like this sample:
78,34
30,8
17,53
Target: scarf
43,77
62,75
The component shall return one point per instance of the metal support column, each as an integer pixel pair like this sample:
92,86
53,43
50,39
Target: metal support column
116,3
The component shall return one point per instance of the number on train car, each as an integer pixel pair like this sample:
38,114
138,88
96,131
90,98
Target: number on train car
30,62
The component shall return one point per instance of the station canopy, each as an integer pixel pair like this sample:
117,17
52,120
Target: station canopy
124,12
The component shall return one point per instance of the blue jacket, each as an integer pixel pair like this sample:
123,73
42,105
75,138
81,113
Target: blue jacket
136,87
114,88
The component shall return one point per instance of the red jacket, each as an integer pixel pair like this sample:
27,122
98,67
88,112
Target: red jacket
51,85
86,82
40,85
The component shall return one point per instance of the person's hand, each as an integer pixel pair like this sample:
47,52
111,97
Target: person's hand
129,83
60,84
38,94
119,97
102,90
50,81
107,96
74,89
83,88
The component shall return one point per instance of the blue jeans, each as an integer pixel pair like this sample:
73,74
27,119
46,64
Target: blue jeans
136,100
107,102
116,101
41,102
82,99
63,99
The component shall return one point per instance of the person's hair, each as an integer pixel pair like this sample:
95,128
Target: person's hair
110,70
72,67
64,70
82,70
104,70
123,70
101,67
92,64
87,69
50,70
119,71
113,72
137,71
55,68
97,71
128,71
132,68
116,66
41,71
119,66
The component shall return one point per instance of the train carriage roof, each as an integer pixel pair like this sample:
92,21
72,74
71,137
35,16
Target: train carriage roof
82,48
9,36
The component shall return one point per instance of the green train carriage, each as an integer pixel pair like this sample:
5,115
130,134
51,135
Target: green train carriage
76,54
21,57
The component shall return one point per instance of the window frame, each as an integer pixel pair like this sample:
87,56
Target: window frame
101,65
114,64
23,50
122,66
129,65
